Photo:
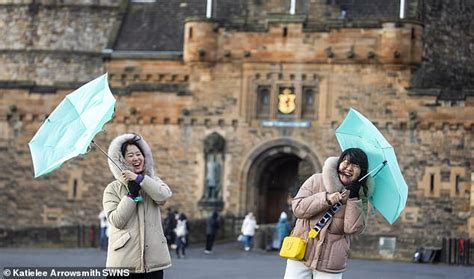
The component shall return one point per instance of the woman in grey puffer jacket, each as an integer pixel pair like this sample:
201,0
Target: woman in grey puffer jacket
132,204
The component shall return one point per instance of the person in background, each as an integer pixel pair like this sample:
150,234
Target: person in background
104,234
170,225
212,226
282,228
248,230
132,205
182,231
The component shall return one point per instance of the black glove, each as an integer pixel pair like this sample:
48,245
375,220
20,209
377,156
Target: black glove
354,189
134,189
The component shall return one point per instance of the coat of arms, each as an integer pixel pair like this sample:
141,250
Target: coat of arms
286,101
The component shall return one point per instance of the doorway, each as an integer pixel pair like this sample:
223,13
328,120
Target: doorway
277,180
274,177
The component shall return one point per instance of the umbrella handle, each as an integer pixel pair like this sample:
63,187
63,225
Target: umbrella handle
381,165
107,155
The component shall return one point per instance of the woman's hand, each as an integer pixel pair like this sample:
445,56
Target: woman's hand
335,197
345,196
354,189
128,176
133,189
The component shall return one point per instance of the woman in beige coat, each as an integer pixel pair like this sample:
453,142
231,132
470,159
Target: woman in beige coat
132,205
326,255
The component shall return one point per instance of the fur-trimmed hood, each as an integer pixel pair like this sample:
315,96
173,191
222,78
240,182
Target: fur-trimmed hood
331,177
116,155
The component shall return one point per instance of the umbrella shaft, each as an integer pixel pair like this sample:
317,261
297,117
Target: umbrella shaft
381,165
107,156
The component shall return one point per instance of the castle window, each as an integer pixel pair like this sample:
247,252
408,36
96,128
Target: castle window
190,34
76,186
458,184
285,31
431,183
74,189
263,102
309,101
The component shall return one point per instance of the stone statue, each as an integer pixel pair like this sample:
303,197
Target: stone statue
213,174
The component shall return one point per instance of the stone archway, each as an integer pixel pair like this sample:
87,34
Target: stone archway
274,172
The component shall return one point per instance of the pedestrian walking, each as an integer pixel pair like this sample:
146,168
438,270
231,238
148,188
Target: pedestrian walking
170,225
132,205
326,254
104,234
248,230
212,226
182,231
282,229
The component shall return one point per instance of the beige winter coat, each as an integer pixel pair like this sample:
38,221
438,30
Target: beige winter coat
136,239
327,252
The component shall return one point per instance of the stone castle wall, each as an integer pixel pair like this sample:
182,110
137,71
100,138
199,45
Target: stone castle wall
448,36
48,42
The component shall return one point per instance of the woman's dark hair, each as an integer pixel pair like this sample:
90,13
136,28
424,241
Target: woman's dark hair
356,156
182,216
132,141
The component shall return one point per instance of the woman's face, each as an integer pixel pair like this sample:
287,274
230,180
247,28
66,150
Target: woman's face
348,172
134,158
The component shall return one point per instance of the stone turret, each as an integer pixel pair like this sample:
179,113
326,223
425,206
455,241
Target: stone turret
400,44
200,40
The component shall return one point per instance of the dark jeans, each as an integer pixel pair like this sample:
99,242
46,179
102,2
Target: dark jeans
151,275
103,239
181,246
248,241
210,241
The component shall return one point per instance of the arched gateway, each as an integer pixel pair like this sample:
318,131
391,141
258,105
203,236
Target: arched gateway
273,173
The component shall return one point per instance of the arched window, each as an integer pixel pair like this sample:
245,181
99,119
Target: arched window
309,102
263,102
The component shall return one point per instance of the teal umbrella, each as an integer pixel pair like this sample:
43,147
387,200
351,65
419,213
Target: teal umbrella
390,192
71,127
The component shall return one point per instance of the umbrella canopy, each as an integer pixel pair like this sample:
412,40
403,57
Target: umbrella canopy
390,192
71,127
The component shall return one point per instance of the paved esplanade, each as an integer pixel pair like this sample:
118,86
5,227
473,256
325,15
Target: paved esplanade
229,262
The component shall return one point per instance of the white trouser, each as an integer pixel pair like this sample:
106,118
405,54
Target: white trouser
297,270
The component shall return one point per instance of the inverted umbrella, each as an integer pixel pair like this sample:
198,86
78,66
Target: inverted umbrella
390,192
70,128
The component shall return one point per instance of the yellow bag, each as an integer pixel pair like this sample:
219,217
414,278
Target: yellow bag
293,248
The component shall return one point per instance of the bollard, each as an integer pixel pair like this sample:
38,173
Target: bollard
468,251
79,236
92,235
445,251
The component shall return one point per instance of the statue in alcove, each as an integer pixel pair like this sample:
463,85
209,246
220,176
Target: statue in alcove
213,174
214,146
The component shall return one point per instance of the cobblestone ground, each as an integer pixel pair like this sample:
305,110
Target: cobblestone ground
230,262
